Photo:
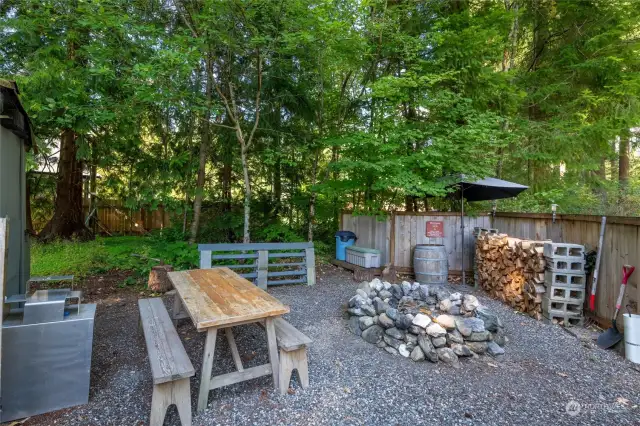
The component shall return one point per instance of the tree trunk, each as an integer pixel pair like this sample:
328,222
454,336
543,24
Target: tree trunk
540,37
312,200
613,163
623,166
277,167
184,214
277,184
408,203
93,202
67,221
197,202
202,162
245,143
226,183
335,155
602,169
247,196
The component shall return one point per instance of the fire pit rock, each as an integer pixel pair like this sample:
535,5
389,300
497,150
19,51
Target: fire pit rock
424,322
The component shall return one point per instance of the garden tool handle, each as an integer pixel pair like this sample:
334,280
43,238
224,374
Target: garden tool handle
627,270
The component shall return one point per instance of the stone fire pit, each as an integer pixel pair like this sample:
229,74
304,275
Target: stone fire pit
424,322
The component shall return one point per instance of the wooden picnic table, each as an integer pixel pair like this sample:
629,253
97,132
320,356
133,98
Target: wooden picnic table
221,299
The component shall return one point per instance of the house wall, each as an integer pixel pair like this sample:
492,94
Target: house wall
13,206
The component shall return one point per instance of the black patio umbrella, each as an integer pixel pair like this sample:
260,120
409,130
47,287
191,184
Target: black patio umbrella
480,190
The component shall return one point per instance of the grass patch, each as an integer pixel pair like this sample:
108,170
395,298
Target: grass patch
108,253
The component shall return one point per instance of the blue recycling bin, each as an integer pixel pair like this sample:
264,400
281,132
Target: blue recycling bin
344,239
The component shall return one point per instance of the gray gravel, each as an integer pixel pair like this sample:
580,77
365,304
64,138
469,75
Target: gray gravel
353,382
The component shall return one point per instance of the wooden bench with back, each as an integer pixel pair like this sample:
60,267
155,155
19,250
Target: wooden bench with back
265,264
170,365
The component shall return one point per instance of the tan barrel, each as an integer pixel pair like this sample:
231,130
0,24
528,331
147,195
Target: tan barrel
430,264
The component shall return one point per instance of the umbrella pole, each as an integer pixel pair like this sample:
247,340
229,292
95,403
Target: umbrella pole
462,227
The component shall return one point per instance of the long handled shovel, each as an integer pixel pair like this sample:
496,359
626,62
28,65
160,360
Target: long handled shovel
612,336
596,271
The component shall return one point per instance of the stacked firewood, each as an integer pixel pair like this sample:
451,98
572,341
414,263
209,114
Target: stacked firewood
512,270
534,287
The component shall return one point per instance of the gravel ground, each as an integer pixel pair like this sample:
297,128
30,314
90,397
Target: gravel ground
353,382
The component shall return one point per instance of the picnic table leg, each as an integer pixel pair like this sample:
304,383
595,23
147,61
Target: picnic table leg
234,349
273,350
207,366
177,308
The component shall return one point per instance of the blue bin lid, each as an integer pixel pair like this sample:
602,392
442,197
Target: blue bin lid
346,235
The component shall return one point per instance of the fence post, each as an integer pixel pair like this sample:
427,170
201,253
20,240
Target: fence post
205,259
310,259
263,269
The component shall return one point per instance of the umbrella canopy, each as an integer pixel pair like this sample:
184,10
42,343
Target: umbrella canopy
488,189
480,190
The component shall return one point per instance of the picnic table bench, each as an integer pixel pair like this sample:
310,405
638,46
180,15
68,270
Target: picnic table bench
170,365
293,353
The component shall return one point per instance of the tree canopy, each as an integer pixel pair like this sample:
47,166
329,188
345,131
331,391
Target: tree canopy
262,119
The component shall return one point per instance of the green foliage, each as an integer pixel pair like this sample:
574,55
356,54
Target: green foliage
363,105
106,254
278,233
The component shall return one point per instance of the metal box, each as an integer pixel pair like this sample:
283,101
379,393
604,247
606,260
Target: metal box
46,366
45,306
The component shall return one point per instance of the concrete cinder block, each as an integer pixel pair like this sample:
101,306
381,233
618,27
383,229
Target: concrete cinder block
477,230
566,294
565,264
557,307
567,320
563,279
574,251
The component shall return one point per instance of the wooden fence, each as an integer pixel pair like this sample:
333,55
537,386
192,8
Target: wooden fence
116,219
621,246
397,234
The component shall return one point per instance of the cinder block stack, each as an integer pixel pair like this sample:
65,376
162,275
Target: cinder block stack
565,282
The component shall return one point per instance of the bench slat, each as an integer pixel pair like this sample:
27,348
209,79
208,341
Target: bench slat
248,266
287,273
288,337
281,282
167,356
282,265
234,256
285,255
253,246
249,275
